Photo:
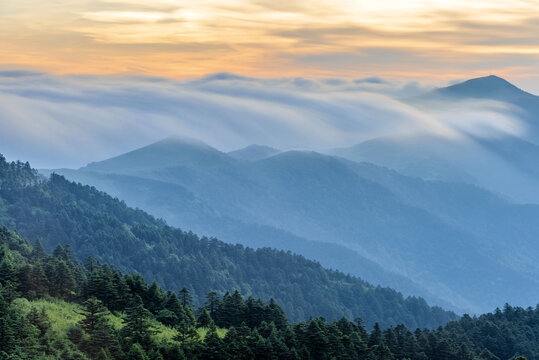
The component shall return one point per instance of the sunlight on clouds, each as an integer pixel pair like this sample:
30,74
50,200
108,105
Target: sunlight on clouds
115,16
180,38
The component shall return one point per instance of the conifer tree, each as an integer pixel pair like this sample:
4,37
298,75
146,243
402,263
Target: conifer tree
38,252
137,325
185,297
204,319
94,315
213,345
212,302
186,332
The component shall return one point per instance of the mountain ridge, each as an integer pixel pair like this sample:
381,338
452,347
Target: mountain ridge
254,152
324,199
490,86
58,211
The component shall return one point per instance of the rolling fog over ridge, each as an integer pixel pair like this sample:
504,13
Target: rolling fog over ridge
354,212
269,180
368,219
259,199
103,116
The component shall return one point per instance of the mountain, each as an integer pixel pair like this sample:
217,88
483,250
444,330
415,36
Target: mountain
183,209
407,155
92,223
254,153
341,213
218,200
61,308
165,153
488,87
503,165
500,162
518,103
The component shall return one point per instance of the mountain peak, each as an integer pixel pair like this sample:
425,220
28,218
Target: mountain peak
254,152
490,80
169,152
492,87
178,140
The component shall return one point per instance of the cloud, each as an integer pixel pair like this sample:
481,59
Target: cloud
18,73
317,38
68,121
481,118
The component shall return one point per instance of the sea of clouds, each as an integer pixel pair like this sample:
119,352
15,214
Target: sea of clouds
67,121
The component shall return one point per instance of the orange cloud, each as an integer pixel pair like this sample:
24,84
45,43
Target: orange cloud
316,38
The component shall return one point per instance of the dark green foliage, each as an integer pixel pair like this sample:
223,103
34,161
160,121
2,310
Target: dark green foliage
213,348
94,315
94,224
137,327
255,330
204,319
101,341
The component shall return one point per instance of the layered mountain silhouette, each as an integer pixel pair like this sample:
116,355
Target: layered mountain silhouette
451,241
502,163
254,152
81,221
488,87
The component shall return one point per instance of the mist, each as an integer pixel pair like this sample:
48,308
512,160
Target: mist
68,121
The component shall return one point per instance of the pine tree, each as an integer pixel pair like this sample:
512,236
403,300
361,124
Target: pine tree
39,319
486,354
8,272
380,352
204,319
186,332
213,345
277,315
212,302
63,280
94,315
185,297
137,325
7,325
316,339
376,337
464,353
136,352
236,346
38,280
38,252
155,298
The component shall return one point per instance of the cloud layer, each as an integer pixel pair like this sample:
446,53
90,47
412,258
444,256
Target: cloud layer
68,121
438,39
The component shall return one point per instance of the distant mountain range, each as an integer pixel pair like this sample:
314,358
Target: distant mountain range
434,216
92,225
254,153
503,163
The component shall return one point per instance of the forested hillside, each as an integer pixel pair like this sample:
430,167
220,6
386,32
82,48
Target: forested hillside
53,307
92,223
444,241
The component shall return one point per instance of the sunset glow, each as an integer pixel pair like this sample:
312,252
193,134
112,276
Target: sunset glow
318,38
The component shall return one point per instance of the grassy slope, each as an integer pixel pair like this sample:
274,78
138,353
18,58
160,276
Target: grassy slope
64,314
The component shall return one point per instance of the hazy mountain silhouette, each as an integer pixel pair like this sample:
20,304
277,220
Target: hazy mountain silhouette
254,152
422,230
503,163
488,87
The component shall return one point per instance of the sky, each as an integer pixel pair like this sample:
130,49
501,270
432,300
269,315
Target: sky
83,80
434,41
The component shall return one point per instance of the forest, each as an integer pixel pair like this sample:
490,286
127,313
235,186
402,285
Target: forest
60,212
54,307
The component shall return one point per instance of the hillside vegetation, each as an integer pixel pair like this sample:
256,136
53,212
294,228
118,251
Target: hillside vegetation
92,223
52,306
